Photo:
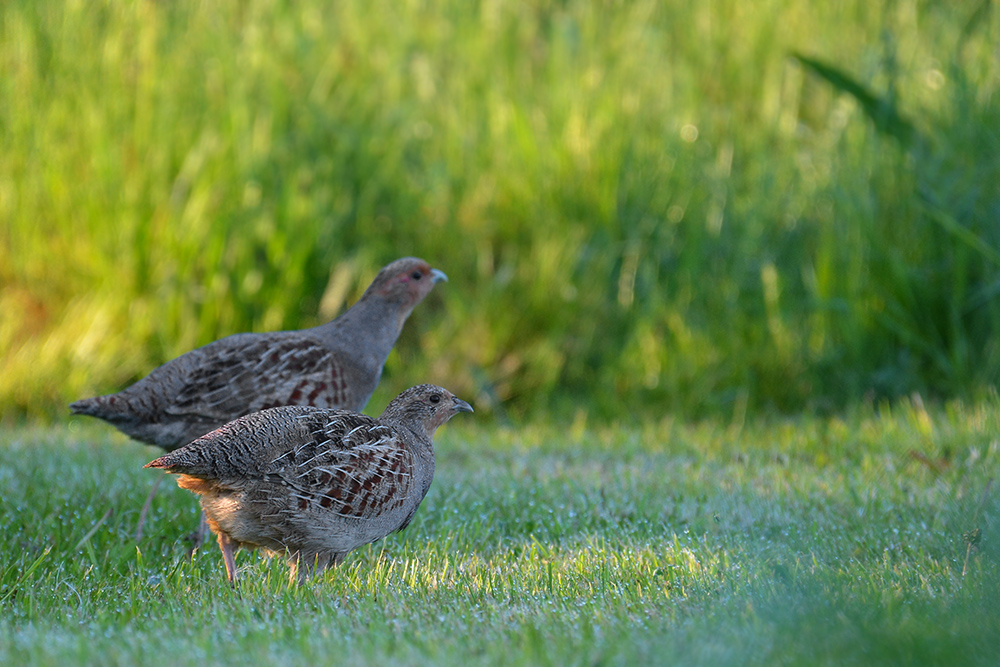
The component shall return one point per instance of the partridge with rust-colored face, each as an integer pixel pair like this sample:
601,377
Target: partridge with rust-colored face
314,484
336,365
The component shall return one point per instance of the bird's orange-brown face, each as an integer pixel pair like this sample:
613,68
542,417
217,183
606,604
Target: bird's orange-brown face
412,280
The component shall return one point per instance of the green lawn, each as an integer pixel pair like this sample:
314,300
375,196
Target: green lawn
799,541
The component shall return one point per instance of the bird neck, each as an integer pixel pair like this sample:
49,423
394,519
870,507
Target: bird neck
423,449
371,327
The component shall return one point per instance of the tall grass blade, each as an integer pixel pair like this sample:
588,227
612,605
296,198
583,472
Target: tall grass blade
881,111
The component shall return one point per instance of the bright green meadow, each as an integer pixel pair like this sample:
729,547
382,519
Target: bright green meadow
643,206
724,292
807,541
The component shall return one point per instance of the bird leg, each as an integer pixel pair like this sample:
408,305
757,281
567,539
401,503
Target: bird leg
145,508
229,547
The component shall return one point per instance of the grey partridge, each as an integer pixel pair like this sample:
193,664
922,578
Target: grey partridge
313,484
335,365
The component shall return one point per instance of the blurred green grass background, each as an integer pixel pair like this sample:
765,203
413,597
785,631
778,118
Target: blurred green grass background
644,207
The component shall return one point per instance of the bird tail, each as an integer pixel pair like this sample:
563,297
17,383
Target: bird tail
182,461
163,463
177,461
85,406
181,466
109,408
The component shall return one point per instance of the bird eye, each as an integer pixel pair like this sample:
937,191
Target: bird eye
416,275
435,398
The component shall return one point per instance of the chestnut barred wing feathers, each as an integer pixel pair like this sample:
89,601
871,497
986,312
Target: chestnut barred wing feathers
320,430
238,375
272,371
352,466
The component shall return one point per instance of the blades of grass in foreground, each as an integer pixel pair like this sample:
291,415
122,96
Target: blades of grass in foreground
24,577
974,536
90,533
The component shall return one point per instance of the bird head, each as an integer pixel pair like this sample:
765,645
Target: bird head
425,406
405,282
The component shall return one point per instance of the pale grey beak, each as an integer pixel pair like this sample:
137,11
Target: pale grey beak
438,276
461,406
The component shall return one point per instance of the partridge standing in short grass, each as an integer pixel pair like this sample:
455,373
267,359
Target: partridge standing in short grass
335,365
314,484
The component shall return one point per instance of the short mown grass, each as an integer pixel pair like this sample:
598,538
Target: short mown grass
800,541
